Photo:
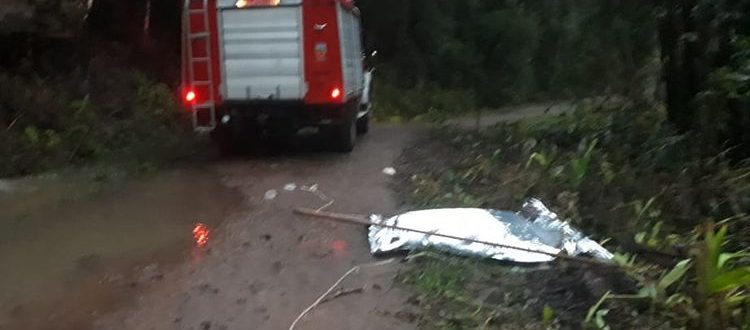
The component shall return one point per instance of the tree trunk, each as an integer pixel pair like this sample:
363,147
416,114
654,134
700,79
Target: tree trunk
672,27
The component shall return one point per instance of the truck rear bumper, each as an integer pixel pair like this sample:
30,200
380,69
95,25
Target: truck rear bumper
287,112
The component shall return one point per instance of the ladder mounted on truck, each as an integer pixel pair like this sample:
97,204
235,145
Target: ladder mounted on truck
199,75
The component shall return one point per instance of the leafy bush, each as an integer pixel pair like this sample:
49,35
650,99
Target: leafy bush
420,102
724,113
722,282
120,116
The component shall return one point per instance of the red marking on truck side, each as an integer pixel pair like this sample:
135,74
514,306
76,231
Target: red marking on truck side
196,24
323,75
213,26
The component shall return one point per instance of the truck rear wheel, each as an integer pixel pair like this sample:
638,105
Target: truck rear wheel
363,124
345,135
225,141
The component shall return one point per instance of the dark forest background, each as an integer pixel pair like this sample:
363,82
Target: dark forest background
442,57
693,56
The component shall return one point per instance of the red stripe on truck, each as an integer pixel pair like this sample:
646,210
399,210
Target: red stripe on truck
323,70
213,26
195,25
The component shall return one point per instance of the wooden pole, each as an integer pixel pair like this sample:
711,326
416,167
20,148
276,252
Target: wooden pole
363,220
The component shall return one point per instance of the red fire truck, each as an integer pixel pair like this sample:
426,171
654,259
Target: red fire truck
272,67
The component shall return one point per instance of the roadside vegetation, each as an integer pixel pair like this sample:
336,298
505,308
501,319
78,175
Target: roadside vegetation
655,165
678,220
82,87
108,115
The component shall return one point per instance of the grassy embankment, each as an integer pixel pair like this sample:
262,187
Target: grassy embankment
622,175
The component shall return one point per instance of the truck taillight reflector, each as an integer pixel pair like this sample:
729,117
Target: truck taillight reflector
336,93
190,96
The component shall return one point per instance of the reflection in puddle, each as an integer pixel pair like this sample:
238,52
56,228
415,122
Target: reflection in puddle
201,234
339,246
72,250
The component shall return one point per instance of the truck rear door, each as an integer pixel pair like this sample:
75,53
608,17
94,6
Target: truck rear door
262,51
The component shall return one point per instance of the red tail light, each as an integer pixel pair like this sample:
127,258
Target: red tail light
190,96
336,93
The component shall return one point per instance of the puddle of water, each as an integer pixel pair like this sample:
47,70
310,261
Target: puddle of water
68,250
6,186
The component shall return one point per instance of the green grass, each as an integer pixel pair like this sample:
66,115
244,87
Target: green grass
446,288
420,103
438,278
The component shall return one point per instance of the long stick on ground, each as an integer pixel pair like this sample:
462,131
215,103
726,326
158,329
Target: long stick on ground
363,220
322,298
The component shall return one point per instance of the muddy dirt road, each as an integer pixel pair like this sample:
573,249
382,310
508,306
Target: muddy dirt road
264,265
76,253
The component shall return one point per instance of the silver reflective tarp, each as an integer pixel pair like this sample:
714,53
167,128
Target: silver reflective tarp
534,227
